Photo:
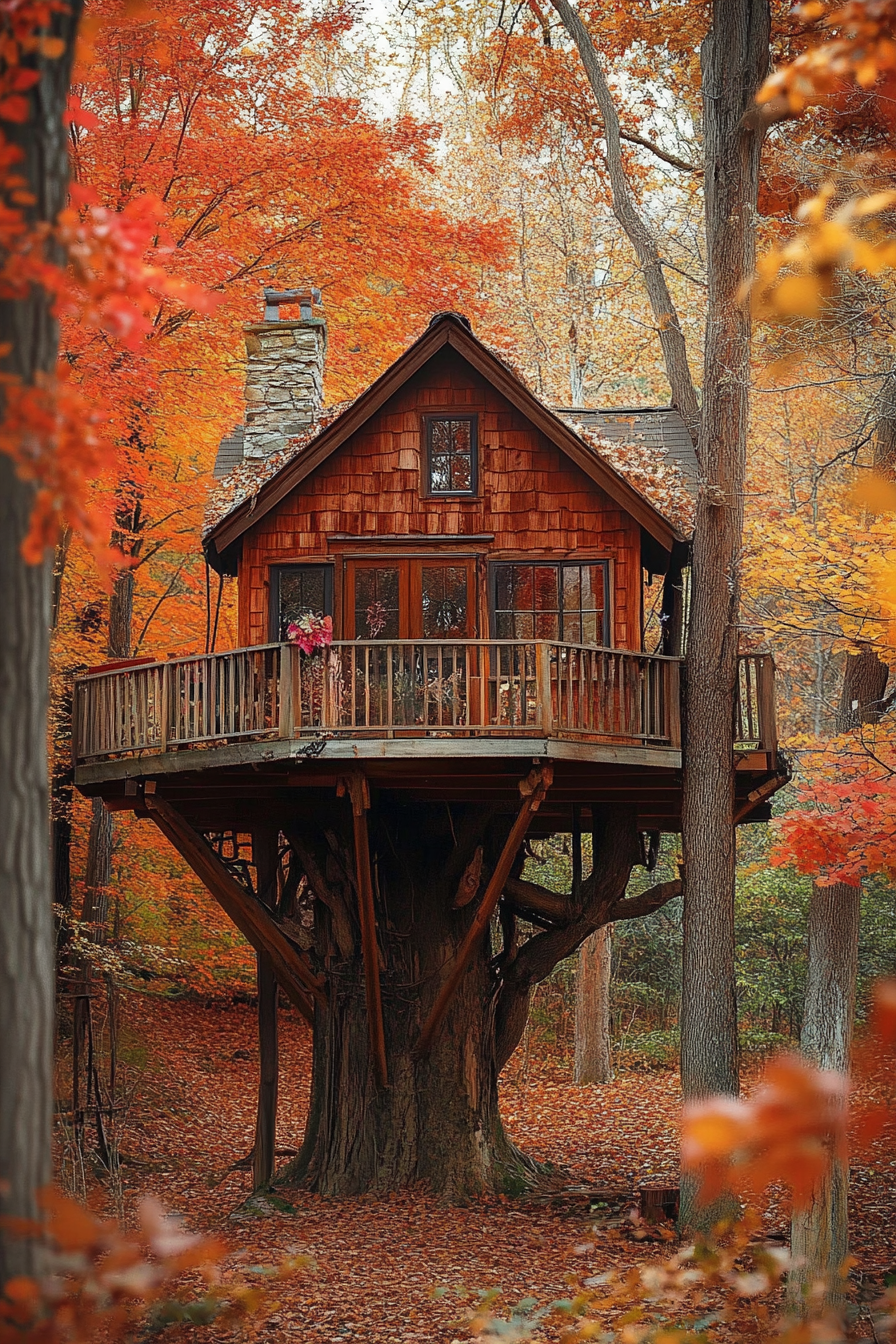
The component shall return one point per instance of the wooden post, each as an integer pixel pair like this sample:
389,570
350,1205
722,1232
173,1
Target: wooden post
355,785
576,853
673,702
165,708
264,852
533,789
543,686
765,697
287,709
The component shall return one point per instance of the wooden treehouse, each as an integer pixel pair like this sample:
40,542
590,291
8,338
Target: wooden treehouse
508,612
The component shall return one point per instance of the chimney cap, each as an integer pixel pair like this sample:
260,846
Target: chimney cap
303,297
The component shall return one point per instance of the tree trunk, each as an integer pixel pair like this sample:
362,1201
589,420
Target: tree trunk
735,60
264,854
29,338
437,1118
26,927
437,1121
820,1233
593,1061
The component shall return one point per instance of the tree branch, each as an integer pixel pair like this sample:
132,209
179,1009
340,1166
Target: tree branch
640,235
672,159
653,899
530,896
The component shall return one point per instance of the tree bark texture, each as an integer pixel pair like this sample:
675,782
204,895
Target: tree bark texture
735,59
264,853
820,1232
30,336
637,229
437,1119
593,1053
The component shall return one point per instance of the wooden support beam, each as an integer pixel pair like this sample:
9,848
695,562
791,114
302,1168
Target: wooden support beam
265,855
757,796
254,922
355,785
533,789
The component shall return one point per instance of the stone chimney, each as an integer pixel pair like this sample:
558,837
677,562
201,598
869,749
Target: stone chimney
284,372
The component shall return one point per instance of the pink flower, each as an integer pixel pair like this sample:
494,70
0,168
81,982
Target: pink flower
310,632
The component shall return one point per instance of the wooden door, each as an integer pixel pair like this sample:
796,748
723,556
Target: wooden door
410,598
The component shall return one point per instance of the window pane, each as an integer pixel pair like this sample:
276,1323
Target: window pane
504,625
522,595
460,436
441,473
547,625
461,473
441,435
572,587
376,603
592,628
302,592
504,587
593,586
546,597
572,628
523,625
444,601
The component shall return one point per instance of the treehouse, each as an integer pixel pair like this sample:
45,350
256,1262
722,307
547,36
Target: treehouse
506,595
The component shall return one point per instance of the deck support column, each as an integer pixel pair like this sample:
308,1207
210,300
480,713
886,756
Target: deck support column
265,855
533,788
355,785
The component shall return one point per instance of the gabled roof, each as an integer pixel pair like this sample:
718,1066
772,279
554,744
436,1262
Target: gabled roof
448,329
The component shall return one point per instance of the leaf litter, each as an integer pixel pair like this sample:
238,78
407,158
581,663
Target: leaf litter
406,1267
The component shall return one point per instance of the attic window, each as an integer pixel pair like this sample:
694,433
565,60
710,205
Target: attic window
451,455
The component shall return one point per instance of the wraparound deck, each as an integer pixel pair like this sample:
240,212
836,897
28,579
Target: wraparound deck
378,699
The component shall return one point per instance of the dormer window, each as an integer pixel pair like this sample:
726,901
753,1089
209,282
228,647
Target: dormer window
451,450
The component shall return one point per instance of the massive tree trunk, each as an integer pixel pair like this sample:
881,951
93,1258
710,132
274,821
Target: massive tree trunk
29,338
593,1057
735,60
437,1118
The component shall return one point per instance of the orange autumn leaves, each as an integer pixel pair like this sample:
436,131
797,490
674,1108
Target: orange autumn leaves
796,1122
113,1285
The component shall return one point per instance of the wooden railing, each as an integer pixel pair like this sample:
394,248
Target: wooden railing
393,689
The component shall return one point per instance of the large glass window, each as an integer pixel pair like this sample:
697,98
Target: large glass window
451,455
544,600
297,591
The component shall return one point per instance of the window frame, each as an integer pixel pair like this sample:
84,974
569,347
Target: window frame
542,562
472,419
275,573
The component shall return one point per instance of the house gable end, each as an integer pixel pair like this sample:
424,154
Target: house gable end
448,330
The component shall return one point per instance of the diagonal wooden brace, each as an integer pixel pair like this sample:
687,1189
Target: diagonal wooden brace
533,788
255,923
355,786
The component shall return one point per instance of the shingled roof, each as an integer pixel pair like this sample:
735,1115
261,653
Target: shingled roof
638,456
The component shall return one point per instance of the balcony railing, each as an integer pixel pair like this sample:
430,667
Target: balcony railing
408,688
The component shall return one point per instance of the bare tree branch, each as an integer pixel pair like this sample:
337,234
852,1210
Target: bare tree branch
640,235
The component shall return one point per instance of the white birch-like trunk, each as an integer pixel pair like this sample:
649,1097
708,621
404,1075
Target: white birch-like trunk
593,1057
820,1232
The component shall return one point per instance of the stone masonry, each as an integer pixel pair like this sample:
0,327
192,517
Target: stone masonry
284,382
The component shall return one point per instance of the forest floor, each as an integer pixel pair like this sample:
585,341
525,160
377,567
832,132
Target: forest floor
403,1269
